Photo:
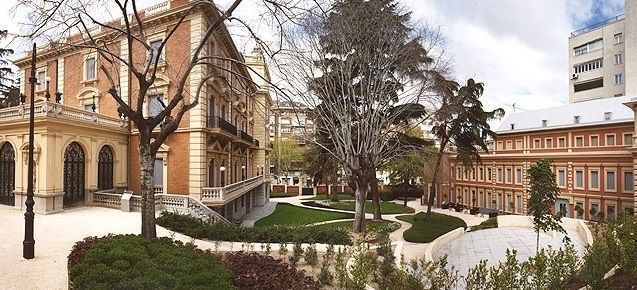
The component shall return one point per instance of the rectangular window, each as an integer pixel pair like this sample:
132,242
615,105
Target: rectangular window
561,178
628,139
509,175
154,51
588,66
619,79
519,204
489,176
610,140
41,80
499,175
588,47
481,173
548,143
509,145
499,146
619,38
536,143
579,179
561,142
518,175
518,144
580,205
618,58
628,181
155,105
594,183
588,85
89,68
579,141
594,141
610,180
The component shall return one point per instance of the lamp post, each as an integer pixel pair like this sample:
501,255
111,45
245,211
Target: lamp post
222,168
28,245
93,105
58,97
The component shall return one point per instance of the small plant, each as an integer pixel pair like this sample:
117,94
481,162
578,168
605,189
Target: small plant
268,249
325,277
217,244
579,210
341,270
297,251
362,268
283,250
311,257
329,252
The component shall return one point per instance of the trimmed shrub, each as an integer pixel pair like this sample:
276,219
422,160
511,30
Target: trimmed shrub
281,194
488,224
80,249
133,262
196,228
253,271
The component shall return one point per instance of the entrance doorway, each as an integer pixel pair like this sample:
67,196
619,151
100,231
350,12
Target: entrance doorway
73,175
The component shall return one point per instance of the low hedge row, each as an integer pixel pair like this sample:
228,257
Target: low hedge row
281,194
199,229
133,262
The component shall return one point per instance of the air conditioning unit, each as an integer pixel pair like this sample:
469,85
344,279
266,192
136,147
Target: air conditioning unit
574,76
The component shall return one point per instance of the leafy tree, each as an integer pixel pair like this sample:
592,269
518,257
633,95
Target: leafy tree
461,122
9,93
362,66
286,154
543,192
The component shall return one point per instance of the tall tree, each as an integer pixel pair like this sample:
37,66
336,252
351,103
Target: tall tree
80,23
361,65
543,193
7,81
287,154
460,121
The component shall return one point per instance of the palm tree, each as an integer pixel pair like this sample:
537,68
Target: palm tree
462,122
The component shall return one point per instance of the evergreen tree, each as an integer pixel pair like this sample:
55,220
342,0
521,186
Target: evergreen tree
9,94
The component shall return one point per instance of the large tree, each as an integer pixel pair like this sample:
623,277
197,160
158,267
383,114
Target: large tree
8,92
287,154
82,22
362,66
461,122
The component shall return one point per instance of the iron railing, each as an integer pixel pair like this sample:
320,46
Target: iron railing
598,25
245,136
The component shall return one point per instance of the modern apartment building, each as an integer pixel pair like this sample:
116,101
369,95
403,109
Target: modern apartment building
592,148
602,60
290,120
218,156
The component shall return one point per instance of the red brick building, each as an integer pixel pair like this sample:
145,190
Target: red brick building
590,143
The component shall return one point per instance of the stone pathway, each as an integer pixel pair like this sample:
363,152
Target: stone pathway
491,244
258,213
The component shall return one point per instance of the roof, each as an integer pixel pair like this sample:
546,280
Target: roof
590,113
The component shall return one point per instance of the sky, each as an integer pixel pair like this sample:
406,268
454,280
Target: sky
518,49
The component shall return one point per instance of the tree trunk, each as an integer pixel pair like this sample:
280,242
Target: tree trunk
435,178
359,210
537,243
375,198
147,162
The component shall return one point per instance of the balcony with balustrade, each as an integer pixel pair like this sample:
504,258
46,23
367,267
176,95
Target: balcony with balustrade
50,112
216,196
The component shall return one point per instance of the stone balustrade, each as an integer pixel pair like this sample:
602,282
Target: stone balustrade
46,109
220,195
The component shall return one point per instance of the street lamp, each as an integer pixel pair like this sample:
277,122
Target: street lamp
222,168
93,105
47,95
28,245
243,172
58,97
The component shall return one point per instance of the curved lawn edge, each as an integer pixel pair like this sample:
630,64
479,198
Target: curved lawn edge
289,214
425,230
386,208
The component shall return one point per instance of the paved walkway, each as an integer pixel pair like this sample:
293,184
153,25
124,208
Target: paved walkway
491,244
258,213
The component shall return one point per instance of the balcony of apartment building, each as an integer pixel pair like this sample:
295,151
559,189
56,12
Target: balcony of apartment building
224,128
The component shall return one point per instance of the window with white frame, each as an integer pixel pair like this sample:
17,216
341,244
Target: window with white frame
509,145
588,47
561,142
498,175
628,181
480,173
548,143
610,140
155,54
610,180
618,58
579,179
619,79
536,143
561,178
90,68
518,144
579,141
509,175
588,66
593,140
489,177
594,179
41,78
518,175
619,38
628,138
155,104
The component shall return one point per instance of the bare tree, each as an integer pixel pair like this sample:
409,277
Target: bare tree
363,69
90,24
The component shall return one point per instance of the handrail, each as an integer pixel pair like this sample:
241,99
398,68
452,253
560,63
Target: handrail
598,25
227,193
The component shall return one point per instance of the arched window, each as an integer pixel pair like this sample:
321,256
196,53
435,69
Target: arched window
105,168
7,174
73,174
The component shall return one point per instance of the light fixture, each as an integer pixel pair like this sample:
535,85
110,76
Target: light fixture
47,95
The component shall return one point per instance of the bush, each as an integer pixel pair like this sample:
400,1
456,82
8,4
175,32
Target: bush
386,195
80,249
254,271
281,194
409,191
490,223
133,262
196,228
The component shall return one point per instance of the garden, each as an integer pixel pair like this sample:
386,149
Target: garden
426,229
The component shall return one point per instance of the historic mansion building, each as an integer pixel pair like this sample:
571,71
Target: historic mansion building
592,148
219,155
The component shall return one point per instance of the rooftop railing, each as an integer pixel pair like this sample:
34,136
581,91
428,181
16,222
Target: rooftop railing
46,109
598,25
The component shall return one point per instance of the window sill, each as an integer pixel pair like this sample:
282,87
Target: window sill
90,82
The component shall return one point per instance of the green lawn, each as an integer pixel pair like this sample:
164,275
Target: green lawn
425,230
287,214
322,196
385,207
